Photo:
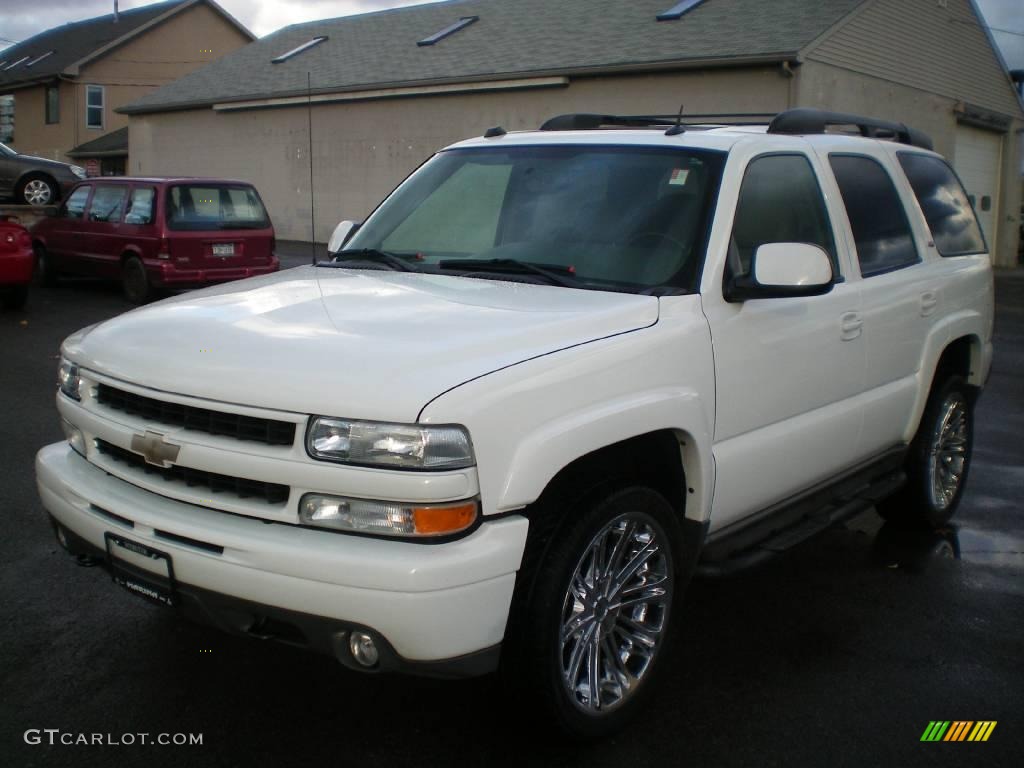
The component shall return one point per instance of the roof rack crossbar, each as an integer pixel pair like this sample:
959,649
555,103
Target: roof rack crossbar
588,122
806,120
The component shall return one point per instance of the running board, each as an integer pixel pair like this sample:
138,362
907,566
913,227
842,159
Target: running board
783,526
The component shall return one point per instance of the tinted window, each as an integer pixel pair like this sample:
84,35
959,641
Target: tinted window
944,203
75,205
107,203
780,202
879,223
209,207
140,207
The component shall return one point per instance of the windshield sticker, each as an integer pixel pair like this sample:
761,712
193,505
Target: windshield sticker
678,177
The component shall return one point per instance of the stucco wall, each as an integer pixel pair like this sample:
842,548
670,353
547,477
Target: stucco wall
362,150
830,87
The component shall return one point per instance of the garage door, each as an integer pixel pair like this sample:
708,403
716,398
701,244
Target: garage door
977,160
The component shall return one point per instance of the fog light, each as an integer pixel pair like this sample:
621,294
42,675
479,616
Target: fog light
74,436
363,649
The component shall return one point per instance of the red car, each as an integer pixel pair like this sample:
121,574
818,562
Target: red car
16,262
158,233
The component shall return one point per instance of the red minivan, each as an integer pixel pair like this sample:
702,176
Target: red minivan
157,233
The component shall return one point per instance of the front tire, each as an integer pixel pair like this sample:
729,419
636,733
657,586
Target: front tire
588,646
135,281
37,189
938,460
45,266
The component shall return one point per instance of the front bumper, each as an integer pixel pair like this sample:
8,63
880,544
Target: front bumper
16,269
438,609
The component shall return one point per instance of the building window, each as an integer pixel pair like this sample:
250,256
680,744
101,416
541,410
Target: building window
52,104
94,106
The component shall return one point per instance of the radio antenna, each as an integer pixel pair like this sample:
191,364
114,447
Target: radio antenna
312,198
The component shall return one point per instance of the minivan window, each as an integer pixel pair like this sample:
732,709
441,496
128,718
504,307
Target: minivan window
608,218
75,205
140,207
947,210
209,207
879,223
108,202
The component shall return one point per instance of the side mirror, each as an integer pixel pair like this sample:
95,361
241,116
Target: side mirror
784,270
341,234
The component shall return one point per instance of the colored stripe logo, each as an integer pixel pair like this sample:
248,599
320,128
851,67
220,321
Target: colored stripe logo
958,730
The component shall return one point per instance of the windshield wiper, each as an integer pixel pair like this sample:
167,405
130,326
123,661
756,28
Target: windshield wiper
554,274
373,256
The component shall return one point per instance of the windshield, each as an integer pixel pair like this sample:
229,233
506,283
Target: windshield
5,150
612,218
214,206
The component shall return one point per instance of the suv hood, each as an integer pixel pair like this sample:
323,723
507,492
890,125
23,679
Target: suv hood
355,343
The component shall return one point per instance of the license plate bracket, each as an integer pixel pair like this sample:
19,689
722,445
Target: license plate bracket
142,570
223,249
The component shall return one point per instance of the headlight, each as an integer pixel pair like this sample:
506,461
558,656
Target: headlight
78,170
68,379
389,518
379,444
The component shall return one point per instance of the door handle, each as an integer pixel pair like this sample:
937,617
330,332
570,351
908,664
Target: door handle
929,301
850,325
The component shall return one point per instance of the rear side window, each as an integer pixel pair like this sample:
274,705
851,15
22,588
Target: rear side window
75,205
944,203
140,207
108,203
780,202
877,218
212,207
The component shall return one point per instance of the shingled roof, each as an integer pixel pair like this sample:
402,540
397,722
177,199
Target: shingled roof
71,45
510,38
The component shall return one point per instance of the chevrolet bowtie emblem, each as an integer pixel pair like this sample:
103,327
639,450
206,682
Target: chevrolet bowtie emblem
156,451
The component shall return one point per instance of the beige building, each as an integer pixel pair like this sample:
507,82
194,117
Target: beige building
389,88
68,82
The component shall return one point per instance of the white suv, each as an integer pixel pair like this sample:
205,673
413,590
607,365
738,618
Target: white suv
551,372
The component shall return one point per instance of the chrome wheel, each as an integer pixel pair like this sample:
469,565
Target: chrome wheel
37,192
615,612
947,450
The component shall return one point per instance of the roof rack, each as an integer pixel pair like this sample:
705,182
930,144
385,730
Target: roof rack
806,120
798,121
590,122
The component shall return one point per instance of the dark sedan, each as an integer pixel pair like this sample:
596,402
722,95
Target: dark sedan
35,180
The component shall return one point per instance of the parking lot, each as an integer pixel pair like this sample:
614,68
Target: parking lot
838,653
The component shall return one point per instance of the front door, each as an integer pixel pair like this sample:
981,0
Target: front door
787,370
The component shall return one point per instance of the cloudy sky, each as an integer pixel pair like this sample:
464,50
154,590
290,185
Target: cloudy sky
20,19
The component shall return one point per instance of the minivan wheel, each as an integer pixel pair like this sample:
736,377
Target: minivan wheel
135,281
45,267
938,459
37,189
588,648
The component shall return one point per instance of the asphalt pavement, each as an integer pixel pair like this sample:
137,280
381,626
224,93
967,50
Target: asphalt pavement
838,653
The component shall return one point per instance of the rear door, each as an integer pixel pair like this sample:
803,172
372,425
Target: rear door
217,226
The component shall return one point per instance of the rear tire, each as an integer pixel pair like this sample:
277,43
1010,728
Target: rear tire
589,618
135,281
938,460
48,272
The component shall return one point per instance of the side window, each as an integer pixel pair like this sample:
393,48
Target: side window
780,202
74,206
950,215
140,207
107,203
877,218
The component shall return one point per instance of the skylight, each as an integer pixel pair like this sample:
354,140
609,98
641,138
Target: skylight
39,58
16,63
437,37
296,51
678,10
